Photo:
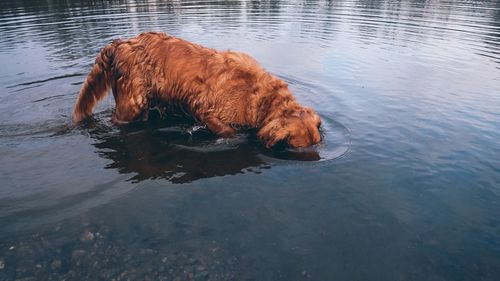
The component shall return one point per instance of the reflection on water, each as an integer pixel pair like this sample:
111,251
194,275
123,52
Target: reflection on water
408,91
172,153
181,152
72,29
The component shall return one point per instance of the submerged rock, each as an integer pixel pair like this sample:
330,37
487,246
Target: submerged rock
78,253
87,236
56,264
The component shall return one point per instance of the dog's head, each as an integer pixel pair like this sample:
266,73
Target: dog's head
297,128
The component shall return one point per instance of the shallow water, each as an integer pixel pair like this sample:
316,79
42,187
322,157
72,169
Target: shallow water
404,186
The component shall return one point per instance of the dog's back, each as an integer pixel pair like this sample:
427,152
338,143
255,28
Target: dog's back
164,67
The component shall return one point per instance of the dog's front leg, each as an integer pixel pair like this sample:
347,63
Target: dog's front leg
218,127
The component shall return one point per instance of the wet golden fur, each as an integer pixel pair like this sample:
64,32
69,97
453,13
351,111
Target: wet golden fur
224,90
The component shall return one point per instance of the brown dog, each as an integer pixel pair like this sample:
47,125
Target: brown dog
224,90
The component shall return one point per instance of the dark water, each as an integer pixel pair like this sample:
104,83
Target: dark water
405,186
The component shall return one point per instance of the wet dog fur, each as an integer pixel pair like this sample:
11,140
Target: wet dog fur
224,90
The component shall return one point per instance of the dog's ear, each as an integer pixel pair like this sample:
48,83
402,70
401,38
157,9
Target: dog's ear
272,133
281,135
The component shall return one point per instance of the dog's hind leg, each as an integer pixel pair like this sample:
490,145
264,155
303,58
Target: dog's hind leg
131,103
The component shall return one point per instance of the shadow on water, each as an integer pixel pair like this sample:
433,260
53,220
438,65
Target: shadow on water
171,151
180,151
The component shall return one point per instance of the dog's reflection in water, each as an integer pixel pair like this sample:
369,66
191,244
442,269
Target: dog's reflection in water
167,149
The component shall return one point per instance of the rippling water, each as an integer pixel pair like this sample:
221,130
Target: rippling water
405,185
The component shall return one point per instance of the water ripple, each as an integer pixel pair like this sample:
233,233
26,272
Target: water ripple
29,83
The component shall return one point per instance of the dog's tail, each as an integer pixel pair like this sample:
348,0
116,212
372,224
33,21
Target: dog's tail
96,85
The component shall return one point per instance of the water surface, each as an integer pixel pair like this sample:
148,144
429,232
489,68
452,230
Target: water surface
405,185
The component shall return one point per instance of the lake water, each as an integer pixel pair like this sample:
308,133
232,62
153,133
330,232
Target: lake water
405,185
